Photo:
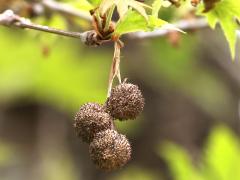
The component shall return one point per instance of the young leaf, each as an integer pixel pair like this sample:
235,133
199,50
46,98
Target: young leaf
156,7
131,22
123,7
225,13
105,5
139,7
155,22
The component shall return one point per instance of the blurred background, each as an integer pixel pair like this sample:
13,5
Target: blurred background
190,126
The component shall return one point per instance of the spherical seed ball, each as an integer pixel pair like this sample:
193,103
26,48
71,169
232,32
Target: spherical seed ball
110,150
90,120
125,102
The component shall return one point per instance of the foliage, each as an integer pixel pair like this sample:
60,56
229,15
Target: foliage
225,12
65,74
133,16
221,159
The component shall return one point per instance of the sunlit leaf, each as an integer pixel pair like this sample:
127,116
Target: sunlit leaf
123,6
138,7
155,22
131,22
105,5
156,7
225,13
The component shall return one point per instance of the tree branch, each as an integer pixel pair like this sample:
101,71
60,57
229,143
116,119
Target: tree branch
8,18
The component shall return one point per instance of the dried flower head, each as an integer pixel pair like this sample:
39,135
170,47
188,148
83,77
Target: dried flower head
125,102
110,150
90,120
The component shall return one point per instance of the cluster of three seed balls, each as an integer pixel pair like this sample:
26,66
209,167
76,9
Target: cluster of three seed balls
109,150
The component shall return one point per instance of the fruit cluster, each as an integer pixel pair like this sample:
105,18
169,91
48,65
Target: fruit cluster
94,124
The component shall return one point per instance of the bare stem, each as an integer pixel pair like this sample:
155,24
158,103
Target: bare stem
8,18
49,30
115,67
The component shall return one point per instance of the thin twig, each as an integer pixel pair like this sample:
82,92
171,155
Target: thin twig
115,67
65,9
8,18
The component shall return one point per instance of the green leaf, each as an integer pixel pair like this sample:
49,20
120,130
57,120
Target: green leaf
225,13
155,22
139,7
131,22
123,6
156,7
179,162
106,5
220,159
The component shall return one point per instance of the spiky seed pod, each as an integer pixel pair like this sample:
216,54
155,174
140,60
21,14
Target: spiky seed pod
125,102
110,150
90,120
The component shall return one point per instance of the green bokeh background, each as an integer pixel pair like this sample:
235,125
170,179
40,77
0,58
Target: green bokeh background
189,89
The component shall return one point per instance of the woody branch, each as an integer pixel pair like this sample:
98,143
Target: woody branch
9,18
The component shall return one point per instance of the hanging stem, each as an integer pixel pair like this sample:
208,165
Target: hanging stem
115,67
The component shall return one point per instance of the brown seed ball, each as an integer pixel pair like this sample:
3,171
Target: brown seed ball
125,102
110,150
90,120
